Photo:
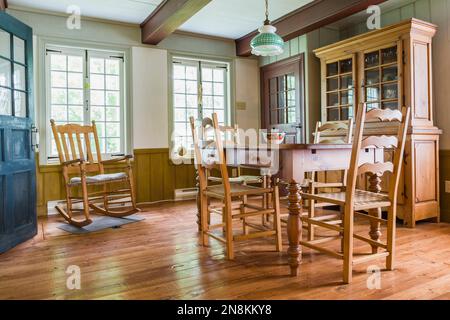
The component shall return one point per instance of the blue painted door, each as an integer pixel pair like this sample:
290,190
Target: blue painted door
17,165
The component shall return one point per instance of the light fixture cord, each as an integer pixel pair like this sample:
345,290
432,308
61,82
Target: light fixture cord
267,13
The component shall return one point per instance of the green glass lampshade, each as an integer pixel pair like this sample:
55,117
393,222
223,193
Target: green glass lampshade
267,42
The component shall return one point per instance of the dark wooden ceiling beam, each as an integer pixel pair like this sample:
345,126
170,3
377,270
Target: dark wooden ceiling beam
3,4
312,16
167,17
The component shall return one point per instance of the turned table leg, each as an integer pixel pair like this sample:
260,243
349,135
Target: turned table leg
375,226
197,184
294,227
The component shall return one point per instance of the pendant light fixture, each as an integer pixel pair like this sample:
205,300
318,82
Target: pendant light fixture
267,42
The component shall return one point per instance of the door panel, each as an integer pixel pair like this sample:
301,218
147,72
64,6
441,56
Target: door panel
18,221
283,98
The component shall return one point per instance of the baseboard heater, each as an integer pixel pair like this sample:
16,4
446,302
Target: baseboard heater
185,194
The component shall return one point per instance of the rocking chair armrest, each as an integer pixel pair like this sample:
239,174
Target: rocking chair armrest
71,162
127,157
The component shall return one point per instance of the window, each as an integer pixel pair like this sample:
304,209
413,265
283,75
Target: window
200,88
13,81
86,85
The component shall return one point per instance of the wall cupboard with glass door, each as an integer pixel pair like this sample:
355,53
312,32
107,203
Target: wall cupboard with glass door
390,68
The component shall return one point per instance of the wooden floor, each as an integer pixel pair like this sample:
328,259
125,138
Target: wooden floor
159,258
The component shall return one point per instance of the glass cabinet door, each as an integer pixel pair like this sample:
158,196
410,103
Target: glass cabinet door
340,97
381,79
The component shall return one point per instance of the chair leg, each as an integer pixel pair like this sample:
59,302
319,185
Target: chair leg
391,230
348,245
84,190
242,211
229,228
341,209
277,219
204,218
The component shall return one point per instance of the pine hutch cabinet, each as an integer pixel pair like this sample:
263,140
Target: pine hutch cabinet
390,68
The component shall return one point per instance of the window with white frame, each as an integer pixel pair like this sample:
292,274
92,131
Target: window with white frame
86,85
200,88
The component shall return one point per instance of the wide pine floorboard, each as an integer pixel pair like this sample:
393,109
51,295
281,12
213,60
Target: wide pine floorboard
159,258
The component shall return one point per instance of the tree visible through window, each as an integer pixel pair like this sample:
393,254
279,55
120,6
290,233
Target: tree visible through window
86,85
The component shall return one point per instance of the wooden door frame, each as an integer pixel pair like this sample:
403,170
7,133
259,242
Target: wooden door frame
301,89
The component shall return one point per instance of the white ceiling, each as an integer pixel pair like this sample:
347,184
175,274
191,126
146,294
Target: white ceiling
223,18
130,11
235,18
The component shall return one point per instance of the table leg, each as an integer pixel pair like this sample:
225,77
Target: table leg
375,227
197,184
294,227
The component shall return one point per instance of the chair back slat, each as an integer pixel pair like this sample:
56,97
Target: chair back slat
384,115
386,142
336,132
396,144
378,168
65,147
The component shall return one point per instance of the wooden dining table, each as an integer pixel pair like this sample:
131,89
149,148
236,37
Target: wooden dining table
290,162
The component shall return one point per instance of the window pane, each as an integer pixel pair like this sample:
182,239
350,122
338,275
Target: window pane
218,89
112,83
75,113
191,87
112,98
219,103
207,88
113,66
98,113
59,96
113,145
19,77
97,98
59,113
192,101
58,79
180,115
112,114
180,101
191,113
5,102
75,80
5,44
220,116
179,72
208,102
191,73
113,130
19,50
75,64
97,65
75,96
20,104
100,129
5,73
218,75
207,74
97,81
58,62
179,86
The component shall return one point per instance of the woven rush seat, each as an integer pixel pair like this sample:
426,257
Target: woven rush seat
237,190
363,199
240,179
101,178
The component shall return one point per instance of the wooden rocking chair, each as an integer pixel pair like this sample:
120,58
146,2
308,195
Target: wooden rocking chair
72,157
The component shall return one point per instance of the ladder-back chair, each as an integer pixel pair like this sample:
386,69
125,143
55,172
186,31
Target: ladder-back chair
82,170
210,155
339,132
354,201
